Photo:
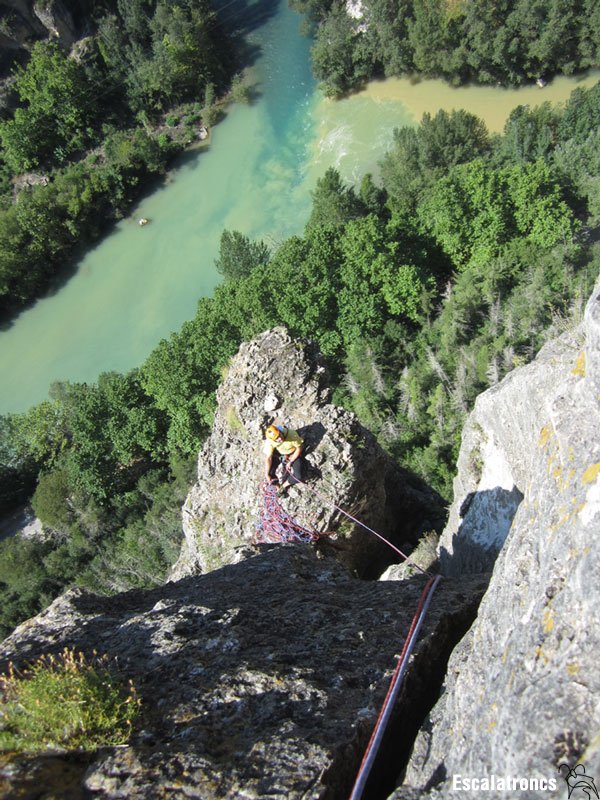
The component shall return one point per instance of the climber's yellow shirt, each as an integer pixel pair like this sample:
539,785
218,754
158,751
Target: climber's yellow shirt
291,442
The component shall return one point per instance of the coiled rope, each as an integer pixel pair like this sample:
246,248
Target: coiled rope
276,525
394,688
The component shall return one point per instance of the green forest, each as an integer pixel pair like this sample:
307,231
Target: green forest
421,289
81,134
504,42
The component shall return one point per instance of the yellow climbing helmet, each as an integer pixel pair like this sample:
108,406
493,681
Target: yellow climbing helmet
274,432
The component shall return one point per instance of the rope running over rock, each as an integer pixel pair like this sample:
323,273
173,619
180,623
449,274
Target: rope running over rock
394,688
366,527
277,526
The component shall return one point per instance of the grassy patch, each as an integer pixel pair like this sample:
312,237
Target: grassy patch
65,702
233,421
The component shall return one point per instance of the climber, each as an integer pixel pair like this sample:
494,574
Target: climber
283,445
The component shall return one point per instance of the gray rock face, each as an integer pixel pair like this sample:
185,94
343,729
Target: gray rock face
511,426
277,379
57,20
261,679
25,21
522,689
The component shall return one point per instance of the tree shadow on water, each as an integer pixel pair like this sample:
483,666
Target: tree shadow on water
242,19
245,16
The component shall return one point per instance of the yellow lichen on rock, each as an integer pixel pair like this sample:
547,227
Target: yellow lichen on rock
548,620
545,435
579,368
591,473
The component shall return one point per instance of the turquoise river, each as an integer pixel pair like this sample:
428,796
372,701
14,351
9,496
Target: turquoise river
140,283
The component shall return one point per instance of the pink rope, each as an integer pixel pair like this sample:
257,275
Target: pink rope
366,527
276,525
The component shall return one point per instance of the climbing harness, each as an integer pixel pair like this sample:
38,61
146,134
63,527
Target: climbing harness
394,688
276,525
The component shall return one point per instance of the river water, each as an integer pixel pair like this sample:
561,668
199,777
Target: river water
140,283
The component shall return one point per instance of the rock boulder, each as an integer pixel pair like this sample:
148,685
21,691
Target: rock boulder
261,679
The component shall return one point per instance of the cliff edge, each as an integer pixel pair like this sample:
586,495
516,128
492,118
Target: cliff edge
260,679
522,688
263,676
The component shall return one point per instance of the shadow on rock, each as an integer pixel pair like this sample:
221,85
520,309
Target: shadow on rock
487,517
262,677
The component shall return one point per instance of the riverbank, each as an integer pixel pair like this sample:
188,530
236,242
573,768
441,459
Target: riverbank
353,133
52,227
136,285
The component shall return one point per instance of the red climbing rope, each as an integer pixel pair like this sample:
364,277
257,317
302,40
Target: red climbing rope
394,688
276,525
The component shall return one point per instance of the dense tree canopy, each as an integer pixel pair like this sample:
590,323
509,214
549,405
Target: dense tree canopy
339,58
91,127
162,51
238,255
420,156
57,113
511,42
332,202
38,232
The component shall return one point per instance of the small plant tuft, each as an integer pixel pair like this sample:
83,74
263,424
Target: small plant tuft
233,421
65,702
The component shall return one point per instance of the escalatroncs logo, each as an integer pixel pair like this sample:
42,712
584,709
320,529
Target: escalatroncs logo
577,780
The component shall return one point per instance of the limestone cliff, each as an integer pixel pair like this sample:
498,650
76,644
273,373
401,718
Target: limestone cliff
522,689
277,378
262,678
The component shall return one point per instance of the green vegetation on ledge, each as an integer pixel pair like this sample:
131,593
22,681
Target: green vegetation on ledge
67,702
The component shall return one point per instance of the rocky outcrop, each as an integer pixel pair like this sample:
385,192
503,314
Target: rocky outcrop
278,379
57,19
21,21
25,21
543,411
23,522
261,679
521,695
